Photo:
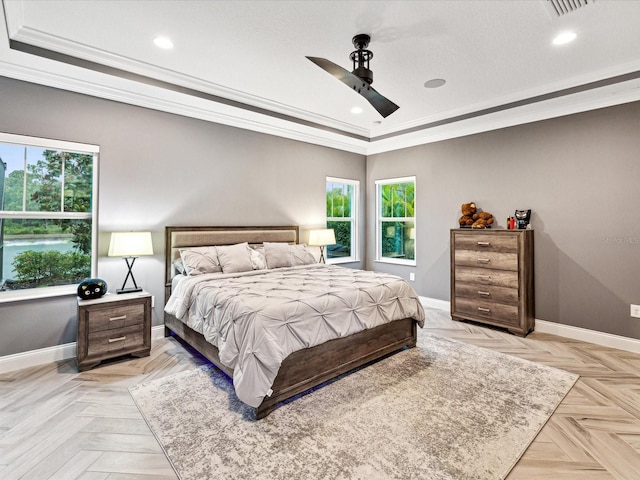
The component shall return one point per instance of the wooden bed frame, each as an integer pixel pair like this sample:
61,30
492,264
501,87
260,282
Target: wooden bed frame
303,369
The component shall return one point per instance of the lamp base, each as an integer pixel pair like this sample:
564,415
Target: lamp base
128,290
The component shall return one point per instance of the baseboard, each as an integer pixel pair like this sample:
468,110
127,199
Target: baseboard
32,358
591,336
18,361
566,331
435,303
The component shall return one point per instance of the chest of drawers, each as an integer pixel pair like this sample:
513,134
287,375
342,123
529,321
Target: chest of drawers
492,278
112,326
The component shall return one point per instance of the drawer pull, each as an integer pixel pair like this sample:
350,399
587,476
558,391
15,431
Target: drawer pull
484,260
484,310
484,244
121,317
483,277
484,294
119,339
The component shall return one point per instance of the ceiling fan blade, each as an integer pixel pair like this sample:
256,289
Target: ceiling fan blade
384,106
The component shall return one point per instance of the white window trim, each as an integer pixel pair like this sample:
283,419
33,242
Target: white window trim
355,208
74,147
379,220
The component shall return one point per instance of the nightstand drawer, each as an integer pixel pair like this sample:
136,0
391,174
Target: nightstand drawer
498,312
116,339
110,318
486,276
507,296
486,243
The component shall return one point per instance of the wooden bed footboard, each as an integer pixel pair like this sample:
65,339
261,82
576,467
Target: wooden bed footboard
310,367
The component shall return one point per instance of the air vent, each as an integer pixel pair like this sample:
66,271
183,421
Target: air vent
558,8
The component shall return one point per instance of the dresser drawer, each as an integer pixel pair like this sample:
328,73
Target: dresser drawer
486,276
116,339
504,295
487,259
486,242
107,318
497,312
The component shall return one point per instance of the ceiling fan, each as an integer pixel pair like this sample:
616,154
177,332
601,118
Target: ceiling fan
361,78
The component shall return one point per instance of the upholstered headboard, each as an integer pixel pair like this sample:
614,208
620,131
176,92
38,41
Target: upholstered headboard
200,236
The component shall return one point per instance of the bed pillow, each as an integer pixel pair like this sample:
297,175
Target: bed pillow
179,266
300,255
277,254
235,258
258,260
200,260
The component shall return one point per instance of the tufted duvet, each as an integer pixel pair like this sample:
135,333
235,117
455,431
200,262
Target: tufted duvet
256,319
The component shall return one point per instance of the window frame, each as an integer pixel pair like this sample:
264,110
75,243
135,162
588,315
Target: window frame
380,220
355,208
72,147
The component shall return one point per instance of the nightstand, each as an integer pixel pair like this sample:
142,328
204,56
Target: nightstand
112,326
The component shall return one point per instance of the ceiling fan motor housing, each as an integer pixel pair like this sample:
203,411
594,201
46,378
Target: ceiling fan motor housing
361,57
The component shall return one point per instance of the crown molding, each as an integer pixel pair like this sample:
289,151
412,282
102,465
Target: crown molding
96,73
97,58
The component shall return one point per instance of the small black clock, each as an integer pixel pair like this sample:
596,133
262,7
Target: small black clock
92,288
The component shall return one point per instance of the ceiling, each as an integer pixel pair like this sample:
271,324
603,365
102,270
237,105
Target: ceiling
242,63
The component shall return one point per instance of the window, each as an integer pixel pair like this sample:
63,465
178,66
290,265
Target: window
342,203
396,225
47,232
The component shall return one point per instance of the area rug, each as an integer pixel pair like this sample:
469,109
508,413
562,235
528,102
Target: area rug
442,410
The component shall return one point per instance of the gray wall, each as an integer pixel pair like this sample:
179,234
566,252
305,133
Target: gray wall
158,169
579,174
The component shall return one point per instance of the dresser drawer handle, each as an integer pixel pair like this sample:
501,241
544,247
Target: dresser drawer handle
484,244
484,310
484,294
119,339
484,260
483,277
121,317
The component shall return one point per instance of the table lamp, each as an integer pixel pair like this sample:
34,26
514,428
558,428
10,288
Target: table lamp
130,245
321,238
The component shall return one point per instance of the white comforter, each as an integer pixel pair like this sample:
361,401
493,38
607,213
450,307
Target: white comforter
256,319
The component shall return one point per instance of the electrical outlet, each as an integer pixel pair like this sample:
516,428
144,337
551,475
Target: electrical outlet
412,277
635,310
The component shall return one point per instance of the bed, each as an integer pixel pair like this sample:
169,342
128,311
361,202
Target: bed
305,367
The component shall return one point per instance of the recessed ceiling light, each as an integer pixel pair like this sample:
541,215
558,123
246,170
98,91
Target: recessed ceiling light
356,110
434,83
163,42
564,37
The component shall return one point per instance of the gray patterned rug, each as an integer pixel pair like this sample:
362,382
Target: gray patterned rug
443,410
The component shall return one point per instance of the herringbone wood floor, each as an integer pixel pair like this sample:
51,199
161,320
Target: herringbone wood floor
56,423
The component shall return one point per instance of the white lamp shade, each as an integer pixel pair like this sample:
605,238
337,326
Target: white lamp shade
322,236
130,244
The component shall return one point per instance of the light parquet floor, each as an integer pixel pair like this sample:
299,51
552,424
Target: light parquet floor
56,423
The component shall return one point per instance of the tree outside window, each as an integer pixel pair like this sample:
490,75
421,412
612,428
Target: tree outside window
46,213
396,220
341,217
